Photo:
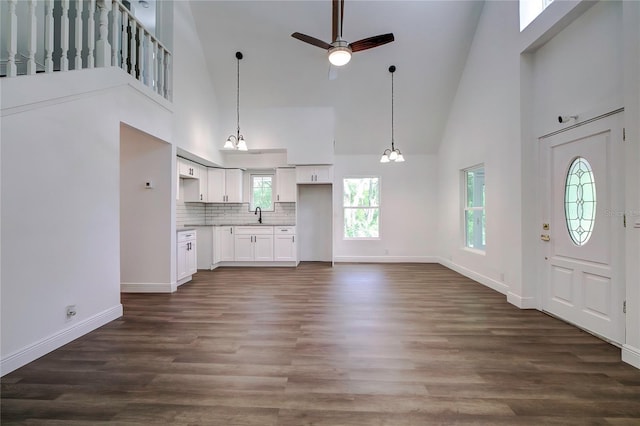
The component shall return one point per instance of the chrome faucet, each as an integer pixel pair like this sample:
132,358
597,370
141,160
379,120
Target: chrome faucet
259,218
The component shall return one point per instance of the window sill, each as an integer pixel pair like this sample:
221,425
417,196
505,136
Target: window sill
475,251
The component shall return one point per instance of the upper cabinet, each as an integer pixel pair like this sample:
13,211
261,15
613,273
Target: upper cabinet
314,174
224,185
286,185
188,169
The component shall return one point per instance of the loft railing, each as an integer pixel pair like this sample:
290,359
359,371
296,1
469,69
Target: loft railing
44,36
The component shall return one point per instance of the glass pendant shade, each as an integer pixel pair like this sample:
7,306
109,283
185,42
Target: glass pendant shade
229,144
399,159
384,158
393,155
242,145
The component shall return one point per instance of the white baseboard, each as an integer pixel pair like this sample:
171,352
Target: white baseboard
53,342
631,355
385,259
522,302
148,287
482,279
275,264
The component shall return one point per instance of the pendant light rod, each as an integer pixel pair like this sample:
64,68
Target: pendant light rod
392,154
237,141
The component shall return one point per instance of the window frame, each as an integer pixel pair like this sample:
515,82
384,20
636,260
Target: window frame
251,192
465,208
378,208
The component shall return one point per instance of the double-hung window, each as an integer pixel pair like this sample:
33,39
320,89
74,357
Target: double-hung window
473,202
361,206
261,191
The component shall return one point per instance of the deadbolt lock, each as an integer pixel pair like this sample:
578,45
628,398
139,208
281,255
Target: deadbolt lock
545,226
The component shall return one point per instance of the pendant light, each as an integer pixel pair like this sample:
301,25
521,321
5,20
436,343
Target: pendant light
237,141
392,154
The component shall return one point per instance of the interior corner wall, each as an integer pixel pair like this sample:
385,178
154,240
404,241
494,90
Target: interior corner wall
408,209
196,119
60,223
145,213
484,128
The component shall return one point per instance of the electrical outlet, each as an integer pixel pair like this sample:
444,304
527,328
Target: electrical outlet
71,311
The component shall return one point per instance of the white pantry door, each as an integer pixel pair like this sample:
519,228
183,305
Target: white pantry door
582,218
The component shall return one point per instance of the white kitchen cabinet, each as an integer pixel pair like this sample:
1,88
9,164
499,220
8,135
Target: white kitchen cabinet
254,244
188,169
195,189
314,174
286,185
224,250
224,185
186,256
284,245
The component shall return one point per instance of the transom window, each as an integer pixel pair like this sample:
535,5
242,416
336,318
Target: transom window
361,205
474,213
530,9
261,192
580,201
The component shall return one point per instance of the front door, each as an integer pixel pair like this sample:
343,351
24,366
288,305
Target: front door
582,227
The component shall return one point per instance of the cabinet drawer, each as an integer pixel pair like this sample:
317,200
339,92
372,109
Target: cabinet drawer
253,230
186,236
284,230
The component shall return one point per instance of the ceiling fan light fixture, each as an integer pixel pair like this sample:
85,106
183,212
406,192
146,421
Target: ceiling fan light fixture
340,53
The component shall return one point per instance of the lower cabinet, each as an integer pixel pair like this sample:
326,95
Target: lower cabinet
224,250
186,256
254,244
284,246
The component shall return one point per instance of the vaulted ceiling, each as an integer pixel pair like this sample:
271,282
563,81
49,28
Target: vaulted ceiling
432,39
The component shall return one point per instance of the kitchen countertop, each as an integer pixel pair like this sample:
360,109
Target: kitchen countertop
185,229
245,224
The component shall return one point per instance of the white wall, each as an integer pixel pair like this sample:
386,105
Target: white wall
145,214
408,209
60,204
483,127
196,119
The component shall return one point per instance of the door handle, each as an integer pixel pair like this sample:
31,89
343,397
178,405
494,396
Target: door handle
545,237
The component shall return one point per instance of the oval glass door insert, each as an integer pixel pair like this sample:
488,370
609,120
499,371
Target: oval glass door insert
580,201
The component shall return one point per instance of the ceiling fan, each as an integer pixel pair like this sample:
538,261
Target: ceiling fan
340,50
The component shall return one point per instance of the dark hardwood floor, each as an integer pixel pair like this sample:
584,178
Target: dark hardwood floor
400,344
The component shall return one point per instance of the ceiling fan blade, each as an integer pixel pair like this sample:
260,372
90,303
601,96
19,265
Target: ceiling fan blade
311,40
334,19
371,42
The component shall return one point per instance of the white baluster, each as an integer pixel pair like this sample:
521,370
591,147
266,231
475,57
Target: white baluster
32,37
134,48
154,50
64,36
91,34
116,33
167,77
148,66
103,48
78,33
12,43
48,36
160,70
125,40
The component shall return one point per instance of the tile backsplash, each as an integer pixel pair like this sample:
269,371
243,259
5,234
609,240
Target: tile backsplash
231,214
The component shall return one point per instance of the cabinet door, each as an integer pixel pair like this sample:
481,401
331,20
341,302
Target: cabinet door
225,244
324,174
284,248
188,169
286,185
192,258
305,174
215,185
233,185
203,184
181,270
263,248
243,248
